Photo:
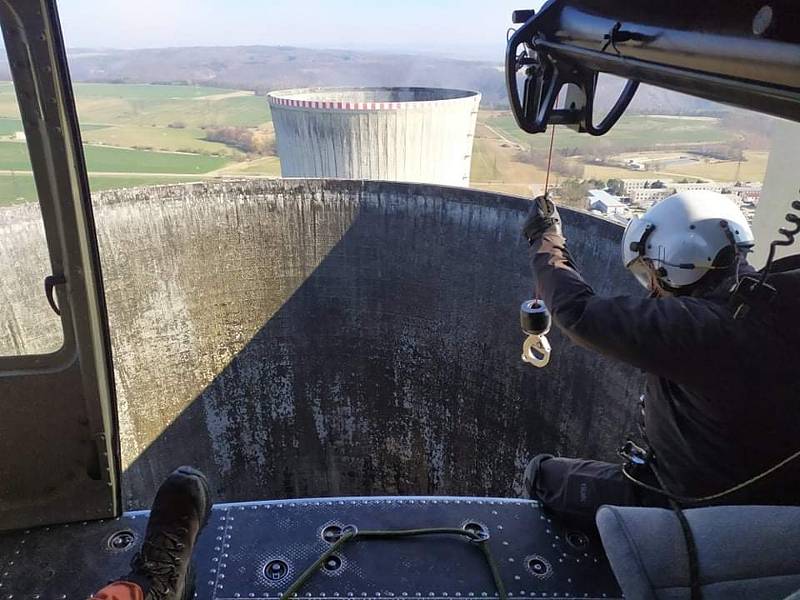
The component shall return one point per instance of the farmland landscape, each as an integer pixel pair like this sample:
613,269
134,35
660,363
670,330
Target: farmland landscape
138,133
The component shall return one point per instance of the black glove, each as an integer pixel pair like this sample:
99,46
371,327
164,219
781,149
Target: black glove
542,217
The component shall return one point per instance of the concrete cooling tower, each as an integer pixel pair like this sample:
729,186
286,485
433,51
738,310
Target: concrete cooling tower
301,338
396,134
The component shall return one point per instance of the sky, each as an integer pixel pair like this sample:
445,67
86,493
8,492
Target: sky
468,28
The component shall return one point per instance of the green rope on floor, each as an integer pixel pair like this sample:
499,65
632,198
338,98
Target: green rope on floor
350,532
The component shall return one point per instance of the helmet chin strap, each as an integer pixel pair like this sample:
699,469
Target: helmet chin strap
659,289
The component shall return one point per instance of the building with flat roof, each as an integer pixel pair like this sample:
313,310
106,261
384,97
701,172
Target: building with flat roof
603,202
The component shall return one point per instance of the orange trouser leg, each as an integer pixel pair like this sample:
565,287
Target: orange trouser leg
120,590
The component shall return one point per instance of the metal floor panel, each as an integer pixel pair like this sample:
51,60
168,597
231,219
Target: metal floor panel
537,557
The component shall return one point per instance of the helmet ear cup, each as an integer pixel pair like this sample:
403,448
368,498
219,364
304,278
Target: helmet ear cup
725,258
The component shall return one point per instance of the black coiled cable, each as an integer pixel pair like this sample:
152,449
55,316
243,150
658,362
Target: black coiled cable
788,234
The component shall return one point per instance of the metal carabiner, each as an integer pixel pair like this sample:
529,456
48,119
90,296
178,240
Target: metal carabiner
536,351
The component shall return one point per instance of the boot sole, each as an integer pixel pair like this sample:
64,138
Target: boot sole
189,588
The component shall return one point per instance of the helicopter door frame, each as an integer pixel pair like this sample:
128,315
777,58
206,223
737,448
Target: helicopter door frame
59,442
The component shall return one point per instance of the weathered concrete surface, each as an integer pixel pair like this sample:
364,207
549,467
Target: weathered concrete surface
308,337
27,323
395,134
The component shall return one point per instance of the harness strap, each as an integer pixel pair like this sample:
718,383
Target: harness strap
351,532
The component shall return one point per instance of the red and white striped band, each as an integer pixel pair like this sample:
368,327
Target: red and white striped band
331,105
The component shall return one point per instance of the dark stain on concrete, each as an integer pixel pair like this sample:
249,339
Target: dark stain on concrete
314,337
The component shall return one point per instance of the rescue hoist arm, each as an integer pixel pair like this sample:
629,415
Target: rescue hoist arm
739,53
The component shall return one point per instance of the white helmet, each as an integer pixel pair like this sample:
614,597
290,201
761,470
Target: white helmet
676,242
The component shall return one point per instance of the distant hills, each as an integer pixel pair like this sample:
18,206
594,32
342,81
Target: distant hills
265,68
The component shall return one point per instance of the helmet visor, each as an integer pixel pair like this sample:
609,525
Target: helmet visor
635,232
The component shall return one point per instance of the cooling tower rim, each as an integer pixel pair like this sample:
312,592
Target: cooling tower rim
322,185
383,98
315,185
19,214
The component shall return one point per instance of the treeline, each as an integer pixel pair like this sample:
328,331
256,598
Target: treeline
251,141
730,151
573,191
559,164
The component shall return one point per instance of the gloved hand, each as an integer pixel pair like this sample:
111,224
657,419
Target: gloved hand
542,217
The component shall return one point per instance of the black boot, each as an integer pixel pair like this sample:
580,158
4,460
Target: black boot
181,509
531,474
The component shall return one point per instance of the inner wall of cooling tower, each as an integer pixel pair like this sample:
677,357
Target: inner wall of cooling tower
309,338
394,134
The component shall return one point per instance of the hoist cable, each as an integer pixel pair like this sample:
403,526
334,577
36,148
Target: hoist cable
549,159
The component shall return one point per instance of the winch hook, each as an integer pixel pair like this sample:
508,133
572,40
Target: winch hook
535,321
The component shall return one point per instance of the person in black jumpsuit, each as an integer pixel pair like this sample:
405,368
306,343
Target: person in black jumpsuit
723,394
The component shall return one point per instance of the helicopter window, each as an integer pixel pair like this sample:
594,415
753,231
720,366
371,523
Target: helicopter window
28,324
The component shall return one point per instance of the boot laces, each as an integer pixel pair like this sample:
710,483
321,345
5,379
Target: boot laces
160,560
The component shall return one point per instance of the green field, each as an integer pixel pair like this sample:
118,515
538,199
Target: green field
632,132
142,135
269,165
159,117
120,160
157,105
15,189
10,126
158,138
137,134
14,157
144,91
